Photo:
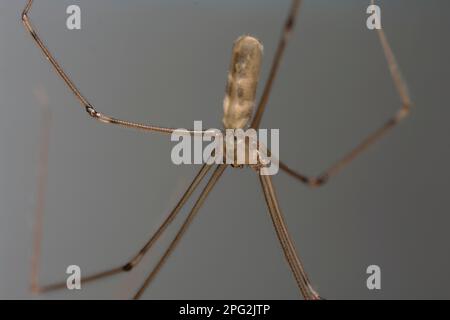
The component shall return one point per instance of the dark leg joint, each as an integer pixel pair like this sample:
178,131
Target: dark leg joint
290,23
128,267
92,112
318,182
133,263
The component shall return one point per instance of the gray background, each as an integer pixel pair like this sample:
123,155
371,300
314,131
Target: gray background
165,62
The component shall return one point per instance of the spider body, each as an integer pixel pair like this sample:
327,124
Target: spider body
242,82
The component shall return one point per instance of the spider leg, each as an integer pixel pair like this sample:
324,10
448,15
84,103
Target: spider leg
287,30
401,88
187,222
40,197
132,262
71,85
294,262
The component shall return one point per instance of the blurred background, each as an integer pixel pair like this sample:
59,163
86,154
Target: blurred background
165,63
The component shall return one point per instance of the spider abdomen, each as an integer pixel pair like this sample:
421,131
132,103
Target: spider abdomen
242,82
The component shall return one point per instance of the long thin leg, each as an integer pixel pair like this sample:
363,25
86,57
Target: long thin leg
285,240
40,199
138,257
287,30
83,101
211,183
401,88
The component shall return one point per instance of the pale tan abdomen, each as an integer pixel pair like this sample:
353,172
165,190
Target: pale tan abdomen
242,82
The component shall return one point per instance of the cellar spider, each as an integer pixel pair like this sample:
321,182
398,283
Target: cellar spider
247,51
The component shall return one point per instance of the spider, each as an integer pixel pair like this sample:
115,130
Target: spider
239,103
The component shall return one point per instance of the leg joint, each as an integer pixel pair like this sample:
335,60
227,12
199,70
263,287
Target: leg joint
92,112
128,267
403,112
133,262
318,181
